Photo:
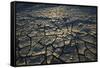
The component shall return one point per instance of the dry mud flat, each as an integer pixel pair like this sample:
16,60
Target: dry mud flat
55,34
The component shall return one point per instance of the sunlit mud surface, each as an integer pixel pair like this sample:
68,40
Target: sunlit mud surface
54,34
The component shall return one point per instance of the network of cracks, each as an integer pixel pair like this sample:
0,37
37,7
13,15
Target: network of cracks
52,44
